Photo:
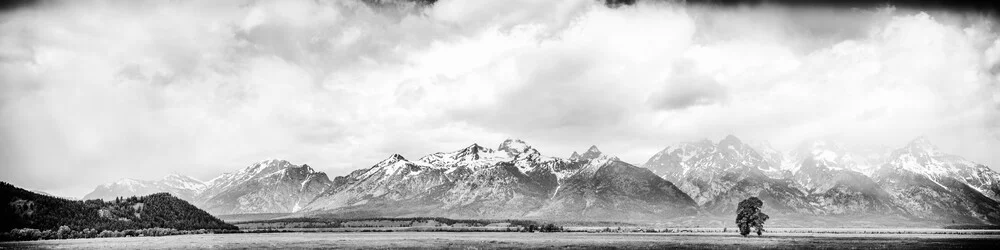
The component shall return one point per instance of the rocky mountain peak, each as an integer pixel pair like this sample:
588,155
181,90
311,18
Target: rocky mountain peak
591,153
922,145
391,160
128,181
304,169
273,161
179,177
574,156
266,166
175,176
472,152
514,146
730,140
183,181
475,149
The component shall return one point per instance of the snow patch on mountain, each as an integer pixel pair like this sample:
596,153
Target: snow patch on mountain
184,187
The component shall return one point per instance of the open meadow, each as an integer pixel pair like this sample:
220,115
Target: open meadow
505,240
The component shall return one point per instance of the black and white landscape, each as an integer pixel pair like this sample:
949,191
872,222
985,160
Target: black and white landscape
603,124
821,179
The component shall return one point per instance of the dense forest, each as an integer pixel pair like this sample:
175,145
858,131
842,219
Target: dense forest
25,209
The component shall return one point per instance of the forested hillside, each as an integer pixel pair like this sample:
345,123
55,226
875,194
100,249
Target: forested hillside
25,209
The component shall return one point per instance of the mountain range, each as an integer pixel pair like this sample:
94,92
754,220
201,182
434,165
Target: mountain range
515,180
263,187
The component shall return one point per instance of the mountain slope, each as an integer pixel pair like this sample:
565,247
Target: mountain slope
827,178
183,187
923,158
270,186
934,185
471,182
394,186
820,178
717,176
835,179
606,188
515,180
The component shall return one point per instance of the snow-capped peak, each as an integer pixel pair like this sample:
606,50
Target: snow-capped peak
834,155
606,158
258,169
472,152
514,146
596,163
391,160
923,145
307,168
574,156
128,182
183,182
473,155
180,177
591,153
777,160
265,167
920,156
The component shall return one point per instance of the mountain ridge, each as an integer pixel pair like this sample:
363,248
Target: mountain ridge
819,178
822,177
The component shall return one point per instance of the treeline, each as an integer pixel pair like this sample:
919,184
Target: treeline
974,227
379,222
338,222
547,228
22,209
65,232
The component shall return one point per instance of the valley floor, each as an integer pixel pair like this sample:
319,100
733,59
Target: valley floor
503,240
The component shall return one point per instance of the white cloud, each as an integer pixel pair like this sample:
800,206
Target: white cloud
96,91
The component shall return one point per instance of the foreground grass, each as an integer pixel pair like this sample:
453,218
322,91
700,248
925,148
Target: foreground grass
503,240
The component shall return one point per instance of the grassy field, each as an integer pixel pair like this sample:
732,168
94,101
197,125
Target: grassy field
451,225
259,221
500,240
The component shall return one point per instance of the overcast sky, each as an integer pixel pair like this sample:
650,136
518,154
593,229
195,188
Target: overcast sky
92,92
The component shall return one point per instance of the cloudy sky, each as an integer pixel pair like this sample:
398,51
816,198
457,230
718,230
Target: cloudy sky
92,92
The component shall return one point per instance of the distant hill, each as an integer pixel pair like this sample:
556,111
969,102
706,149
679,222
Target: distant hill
25,209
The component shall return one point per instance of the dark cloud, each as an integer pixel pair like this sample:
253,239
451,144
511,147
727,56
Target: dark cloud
10,5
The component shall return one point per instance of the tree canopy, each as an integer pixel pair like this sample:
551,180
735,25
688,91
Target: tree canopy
749,216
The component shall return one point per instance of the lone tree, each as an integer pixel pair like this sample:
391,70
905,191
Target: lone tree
748,216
